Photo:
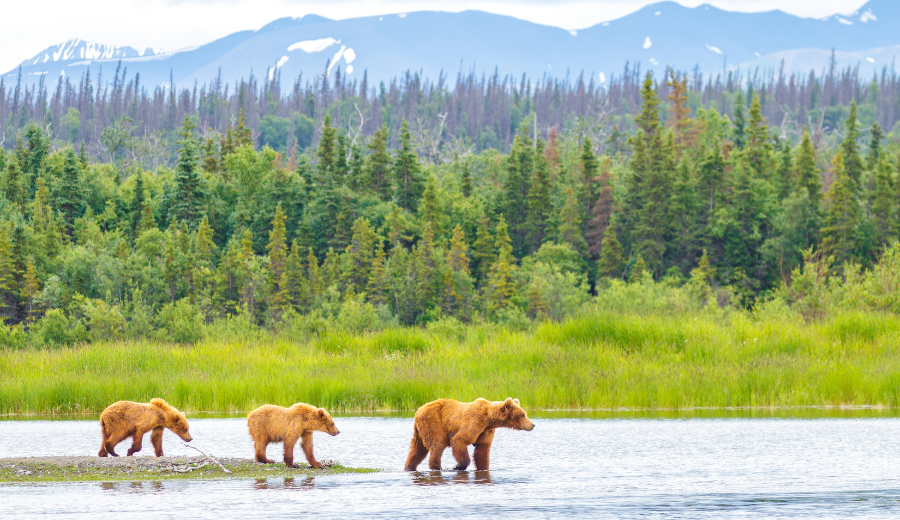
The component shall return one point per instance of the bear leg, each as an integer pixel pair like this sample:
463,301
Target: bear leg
461,454
136,442
437,451
482,453
307,444
110,444
289,443
156,439
260,445
417,451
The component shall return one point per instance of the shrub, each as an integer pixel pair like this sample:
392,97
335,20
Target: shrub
180,322
55,329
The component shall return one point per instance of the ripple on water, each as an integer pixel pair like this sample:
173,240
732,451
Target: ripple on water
565,468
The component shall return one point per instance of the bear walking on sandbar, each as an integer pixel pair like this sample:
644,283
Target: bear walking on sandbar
270,423
127,419
446,422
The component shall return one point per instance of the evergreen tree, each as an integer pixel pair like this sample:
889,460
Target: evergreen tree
277,248
377,285
465,178
853,163
589,168
500,285
603,209
538,202
637,270
7,274
429,207
739,123
516,183
684,210
785,170
842,215
569,231
30,288
807,174
137,204
70,200
378,164
483,250
360,255
612,258
884,203
188,194
14,183
407,177
875,150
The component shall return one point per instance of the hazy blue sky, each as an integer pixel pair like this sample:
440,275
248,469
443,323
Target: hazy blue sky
33,25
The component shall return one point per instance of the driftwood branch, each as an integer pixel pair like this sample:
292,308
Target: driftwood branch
226,470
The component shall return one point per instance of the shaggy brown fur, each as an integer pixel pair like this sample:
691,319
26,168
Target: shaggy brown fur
270,423
127,419
446,422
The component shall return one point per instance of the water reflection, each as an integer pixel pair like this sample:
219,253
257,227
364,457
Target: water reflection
436,478
154,486
288,483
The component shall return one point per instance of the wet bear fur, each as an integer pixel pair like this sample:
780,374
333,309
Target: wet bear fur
446,422
270,423
127,419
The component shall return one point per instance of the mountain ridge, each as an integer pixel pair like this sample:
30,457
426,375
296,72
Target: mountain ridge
435,42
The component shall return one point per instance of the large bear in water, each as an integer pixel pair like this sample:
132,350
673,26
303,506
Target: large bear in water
270,423
127,419
446,422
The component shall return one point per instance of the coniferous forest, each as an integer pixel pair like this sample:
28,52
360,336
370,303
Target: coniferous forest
128,214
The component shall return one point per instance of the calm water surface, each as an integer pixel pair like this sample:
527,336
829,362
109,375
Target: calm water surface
615,468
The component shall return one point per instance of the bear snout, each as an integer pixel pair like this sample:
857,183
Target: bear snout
528,426
187,438
335,432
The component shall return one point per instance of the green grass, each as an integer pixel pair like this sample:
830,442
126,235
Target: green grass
596,361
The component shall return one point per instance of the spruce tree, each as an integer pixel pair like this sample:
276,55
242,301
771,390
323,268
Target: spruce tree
277,248
842,215
137,204
483,250
516,185
7,274
884,203
637,270
430,209
15,185
739,123
807,174
378,164
612,258
569,231
407,176
360,255
500,284
71,199
876,135
853,163
589,168
538,201
785,170
465,178
188,196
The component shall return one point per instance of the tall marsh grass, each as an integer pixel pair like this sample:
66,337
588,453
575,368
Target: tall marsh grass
598,360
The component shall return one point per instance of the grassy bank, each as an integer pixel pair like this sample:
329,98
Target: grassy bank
595,361
136,469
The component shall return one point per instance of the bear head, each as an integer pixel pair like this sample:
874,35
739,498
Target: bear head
513,416
176,422
324,422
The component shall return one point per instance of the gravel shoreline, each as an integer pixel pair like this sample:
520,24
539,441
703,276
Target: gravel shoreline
74,469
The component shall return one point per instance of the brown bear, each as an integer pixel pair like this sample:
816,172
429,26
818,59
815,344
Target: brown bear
270,423
127,419
446,422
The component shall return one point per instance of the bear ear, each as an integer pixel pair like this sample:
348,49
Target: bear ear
321,413
507,405
516,401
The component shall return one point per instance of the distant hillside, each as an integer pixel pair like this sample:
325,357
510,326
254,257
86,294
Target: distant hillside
658,35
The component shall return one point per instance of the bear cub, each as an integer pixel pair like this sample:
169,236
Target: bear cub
127,419
270,423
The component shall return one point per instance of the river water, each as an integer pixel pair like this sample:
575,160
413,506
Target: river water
565,468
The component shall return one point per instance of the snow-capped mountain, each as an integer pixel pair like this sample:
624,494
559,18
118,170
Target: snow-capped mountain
664,33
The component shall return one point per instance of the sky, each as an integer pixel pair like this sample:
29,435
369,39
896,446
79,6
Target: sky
175,24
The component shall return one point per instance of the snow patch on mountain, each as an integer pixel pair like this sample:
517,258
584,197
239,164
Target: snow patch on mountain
310,46
714,49
866,16
647,43
349,55
335,59
844,21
